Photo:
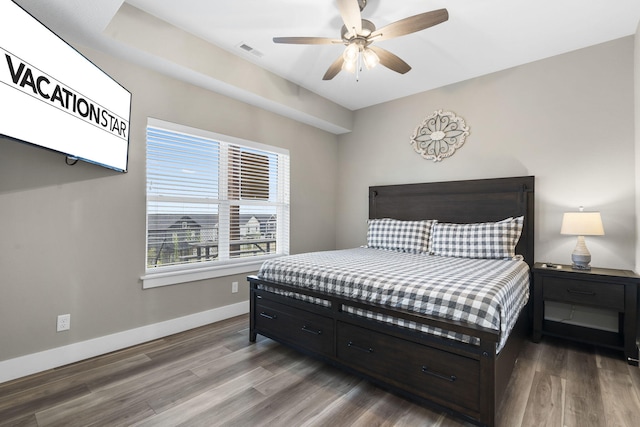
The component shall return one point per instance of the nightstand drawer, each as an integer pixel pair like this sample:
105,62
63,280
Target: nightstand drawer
584,292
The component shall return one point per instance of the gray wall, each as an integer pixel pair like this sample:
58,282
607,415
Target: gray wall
73,238
637,139
636,72
568,120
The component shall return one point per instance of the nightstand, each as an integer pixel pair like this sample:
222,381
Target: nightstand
601,288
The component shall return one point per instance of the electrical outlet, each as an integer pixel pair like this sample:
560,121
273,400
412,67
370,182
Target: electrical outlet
234,287
64,322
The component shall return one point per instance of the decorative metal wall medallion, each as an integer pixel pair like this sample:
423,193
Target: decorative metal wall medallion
439,135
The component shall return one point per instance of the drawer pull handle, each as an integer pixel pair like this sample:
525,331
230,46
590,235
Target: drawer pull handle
578,292
269,316
450,378
365,350
312,331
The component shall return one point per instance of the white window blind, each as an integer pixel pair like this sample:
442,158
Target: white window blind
214,202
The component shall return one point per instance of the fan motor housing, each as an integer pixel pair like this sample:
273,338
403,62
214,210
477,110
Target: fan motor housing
368,27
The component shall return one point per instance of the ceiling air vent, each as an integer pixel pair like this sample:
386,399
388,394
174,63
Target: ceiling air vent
250,50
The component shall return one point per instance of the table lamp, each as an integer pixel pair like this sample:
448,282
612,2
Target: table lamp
581,224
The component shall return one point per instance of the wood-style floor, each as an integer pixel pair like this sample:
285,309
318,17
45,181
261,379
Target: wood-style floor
213,376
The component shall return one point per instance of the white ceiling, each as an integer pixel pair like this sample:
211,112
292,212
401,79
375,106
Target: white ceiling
480,37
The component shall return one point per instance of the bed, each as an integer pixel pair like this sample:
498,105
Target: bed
371,315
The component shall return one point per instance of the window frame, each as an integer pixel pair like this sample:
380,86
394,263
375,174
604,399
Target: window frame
174,274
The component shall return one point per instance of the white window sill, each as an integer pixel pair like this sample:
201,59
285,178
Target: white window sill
184,275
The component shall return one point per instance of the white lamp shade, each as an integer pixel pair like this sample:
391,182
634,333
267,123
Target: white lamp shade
370,58
582,224
351,53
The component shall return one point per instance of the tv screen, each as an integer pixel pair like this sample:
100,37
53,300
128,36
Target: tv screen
51,96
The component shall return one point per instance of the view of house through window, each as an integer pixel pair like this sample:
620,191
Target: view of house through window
213,199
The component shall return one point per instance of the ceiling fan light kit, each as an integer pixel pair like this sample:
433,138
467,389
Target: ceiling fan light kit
355,55
358,34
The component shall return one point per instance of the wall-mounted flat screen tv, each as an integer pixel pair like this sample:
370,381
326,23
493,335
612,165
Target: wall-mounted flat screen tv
53,97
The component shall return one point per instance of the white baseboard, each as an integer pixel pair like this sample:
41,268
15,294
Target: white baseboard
37,362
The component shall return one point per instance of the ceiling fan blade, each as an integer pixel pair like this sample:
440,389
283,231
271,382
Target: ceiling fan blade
306,40
334,69
350,13
390,60
410,25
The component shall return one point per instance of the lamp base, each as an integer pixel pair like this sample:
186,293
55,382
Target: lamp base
581,267
581,256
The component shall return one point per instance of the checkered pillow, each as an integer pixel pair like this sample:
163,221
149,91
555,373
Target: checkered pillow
402,236
495,240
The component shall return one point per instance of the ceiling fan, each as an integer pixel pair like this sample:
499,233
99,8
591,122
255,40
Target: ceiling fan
358,35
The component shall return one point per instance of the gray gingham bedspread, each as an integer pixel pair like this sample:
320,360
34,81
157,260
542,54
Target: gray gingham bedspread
486,292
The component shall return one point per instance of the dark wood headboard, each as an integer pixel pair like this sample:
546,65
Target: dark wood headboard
471,201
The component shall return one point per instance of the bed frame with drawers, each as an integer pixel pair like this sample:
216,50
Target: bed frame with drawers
464,379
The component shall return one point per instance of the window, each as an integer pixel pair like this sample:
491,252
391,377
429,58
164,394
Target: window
216,205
